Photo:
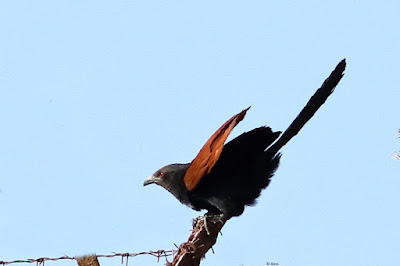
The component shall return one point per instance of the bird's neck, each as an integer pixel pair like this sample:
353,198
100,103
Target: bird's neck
177,187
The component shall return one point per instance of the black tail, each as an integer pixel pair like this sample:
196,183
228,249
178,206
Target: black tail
311,108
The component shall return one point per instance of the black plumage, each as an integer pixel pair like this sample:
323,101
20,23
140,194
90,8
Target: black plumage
223,179
241,172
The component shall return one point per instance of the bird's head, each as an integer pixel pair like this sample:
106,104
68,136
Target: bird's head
170,177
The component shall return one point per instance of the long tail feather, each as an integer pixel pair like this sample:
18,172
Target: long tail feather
311,108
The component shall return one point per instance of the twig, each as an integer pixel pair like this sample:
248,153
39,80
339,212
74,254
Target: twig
202,238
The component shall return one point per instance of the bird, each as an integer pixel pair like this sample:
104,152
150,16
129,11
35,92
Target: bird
225,178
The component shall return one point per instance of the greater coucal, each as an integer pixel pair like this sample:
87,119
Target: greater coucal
223,179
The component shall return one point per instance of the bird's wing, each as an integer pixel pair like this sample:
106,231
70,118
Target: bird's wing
209,154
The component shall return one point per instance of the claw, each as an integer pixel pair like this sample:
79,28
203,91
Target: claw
207,218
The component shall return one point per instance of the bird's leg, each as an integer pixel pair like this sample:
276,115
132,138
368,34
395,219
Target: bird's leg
196,221
203,218
209,217
220,218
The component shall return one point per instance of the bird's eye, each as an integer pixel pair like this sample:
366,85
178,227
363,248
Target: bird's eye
161,174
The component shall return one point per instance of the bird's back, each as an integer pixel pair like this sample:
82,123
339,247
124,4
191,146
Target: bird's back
242,171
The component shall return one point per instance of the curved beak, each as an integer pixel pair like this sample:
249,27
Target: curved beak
149,180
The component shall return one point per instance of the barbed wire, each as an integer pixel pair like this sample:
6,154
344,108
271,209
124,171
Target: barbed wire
40,261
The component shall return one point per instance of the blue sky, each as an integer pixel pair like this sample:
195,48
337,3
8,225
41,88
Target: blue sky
97,95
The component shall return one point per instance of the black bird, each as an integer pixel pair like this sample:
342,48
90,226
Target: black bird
223,179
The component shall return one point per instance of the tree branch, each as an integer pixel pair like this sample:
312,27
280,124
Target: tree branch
203,237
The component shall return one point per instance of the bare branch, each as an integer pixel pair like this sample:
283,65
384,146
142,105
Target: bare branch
89,260
203,237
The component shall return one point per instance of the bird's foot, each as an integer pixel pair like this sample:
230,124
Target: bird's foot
218,218
201,221
207,218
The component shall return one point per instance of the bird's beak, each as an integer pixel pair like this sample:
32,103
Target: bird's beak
149,180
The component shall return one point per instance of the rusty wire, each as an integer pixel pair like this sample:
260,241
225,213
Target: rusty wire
40,261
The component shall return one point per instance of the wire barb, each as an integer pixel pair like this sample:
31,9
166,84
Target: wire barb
40,261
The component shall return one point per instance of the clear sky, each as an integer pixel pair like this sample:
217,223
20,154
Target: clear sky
97,95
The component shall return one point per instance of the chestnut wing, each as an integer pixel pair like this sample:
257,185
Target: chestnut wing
210,152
